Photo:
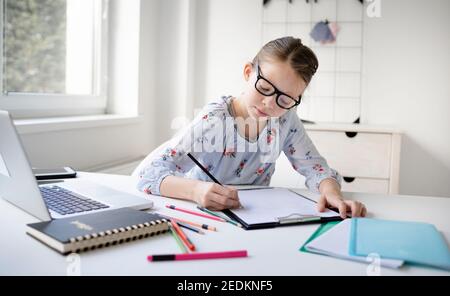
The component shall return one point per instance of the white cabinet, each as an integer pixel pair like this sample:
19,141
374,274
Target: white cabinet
367,157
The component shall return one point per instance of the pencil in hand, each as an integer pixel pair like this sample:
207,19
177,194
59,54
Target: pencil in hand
203,168
207,172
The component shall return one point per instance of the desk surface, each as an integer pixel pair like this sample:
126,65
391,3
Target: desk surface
271,251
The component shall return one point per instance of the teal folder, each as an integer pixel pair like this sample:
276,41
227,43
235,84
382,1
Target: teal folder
324,227
414,242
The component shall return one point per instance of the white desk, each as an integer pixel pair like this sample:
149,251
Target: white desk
271,251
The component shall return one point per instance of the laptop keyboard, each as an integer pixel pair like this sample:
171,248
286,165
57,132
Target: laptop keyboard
66,202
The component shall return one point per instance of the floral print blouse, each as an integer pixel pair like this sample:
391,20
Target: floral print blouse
213,139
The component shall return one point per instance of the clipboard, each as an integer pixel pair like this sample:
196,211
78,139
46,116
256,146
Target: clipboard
276,207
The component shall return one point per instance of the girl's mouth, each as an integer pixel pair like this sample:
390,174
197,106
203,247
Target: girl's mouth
260,113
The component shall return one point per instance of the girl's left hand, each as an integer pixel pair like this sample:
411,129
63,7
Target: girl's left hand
335,199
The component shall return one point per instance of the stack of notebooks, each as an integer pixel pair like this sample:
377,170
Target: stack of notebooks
97,230
393,242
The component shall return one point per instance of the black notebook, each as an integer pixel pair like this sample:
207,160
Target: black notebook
97,230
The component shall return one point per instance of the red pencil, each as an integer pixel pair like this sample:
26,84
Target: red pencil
183,236
195,213
191,256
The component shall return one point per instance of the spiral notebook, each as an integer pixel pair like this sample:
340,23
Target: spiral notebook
97,230
274,207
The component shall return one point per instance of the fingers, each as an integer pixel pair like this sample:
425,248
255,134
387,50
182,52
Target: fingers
351,204
213,205
224,201
342,209
227,192
364,211
234,193
357,208
233,190
322,203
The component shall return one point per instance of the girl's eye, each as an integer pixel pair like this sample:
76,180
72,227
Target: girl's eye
286,101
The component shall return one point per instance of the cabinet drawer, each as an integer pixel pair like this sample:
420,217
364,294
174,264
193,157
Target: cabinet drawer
366,185
365,155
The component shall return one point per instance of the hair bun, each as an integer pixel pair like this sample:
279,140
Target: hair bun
301,58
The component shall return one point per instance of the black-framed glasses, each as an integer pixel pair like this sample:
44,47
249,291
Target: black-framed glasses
266,88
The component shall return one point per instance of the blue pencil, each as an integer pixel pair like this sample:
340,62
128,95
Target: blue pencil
190,228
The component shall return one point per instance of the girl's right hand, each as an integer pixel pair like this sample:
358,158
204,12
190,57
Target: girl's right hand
215,197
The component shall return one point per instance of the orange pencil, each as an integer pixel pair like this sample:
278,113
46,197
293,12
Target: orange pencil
183,236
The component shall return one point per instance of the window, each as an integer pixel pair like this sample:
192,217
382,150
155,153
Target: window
53,57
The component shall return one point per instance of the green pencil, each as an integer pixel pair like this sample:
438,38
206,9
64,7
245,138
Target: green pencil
220,216
177,239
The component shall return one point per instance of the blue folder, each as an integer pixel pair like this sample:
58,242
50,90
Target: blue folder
414,242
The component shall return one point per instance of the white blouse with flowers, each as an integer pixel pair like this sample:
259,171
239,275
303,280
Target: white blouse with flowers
212,138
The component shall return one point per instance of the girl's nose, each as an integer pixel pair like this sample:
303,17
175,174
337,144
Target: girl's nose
269,102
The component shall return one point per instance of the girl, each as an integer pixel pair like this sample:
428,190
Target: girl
237,139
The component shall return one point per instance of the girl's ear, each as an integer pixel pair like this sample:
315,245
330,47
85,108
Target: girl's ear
248,69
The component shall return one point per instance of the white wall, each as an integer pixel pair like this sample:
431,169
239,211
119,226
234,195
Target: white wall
228,35
407,85
405,80
175,43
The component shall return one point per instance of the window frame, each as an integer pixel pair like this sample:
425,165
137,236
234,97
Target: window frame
35,105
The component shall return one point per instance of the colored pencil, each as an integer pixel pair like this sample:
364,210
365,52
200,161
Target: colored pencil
172,207
217,215
193,256
203,226
183,236
203,168
177,239
191,228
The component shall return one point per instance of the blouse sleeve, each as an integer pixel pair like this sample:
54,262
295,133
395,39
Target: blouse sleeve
304,156
171,158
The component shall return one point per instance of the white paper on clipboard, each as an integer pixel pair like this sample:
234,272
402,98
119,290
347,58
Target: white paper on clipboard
274,205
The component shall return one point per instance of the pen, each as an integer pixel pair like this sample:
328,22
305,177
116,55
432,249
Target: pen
193,256
183,237
204,226
217,215
194,213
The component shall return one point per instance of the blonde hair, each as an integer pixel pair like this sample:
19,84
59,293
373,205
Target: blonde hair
289,49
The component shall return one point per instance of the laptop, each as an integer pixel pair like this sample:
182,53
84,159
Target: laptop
73,197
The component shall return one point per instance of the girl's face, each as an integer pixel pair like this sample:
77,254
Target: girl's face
279,74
